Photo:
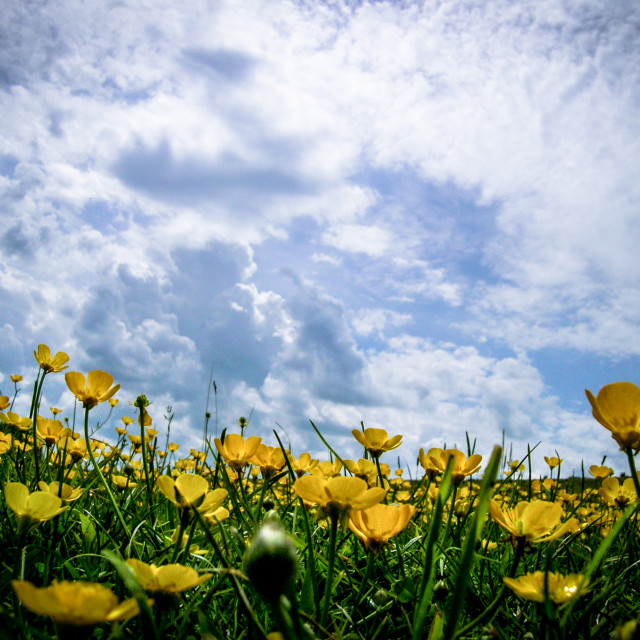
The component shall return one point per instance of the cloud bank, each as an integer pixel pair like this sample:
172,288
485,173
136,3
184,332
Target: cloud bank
419,216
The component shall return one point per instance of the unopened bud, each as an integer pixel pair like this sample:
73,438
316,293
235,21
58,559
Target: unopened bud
271,560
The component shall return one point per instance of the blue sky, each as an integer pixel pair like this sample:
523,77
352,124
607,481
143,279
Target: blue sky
423,216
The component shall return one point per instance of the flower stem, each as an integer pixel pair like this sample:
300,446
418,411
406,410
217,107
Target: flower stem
100,475
330,568
634,473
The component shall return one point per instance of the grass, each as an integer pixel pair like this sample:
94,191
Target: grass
441,576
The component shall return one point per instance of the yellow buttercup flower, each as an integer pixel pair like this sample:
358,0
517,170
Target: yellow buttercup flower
376,525
337,496
600,472
431,471
531,586
303,464
326,469
376,441
190,491
73,449
534,522
270,460
51,431
6,441
65,492
618,496
4,402
617,408
16,378
50,364
80,604
97,387
236,451
462,466
16,421
365,469
169,579
31,509
515,466
553,462
123,482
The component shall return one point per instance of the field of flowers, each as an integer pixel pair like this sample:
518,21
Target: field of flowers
111,531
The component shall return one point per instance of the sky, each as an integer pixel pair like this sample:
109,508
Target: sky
418,216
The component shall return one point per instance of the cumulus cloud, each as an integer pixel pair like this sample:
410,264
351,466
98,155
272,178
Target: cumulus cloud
452,187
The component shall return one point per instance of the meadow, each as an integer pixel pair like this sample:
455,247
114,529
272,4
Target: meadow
109,530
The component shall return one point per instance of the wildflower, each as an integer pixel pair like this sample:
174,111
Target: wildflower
270,460
75,449
337,496
16,421
376,441
50,364
31,509
147,420
303,464
97,387
4,402
5,442
553,462
123,482
364,469
533,522
326,469
600,472
79,604
173,447
462,466
236,451
617,408
15,378
169,579
190,491
55,411
546,485
515,466
618,496
431,471
51,431
63,491
487,545
532,586
376,525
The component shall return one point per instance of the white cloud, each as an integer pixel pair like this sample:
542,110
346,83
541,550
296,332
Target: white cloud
148,152
368,321
358,238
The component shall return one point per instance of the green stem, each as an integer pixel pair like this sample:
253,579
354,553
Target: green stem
283,619
33,413
365,579
330,568
240,593
99,473
634,473
141,404
184,519
491,609
380,476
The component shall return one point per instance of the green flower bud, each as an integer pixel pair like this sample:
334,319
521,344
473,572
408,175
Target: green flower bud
271,561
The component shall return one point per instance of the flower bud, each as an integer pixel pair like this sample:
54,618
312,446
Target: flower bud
271,561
